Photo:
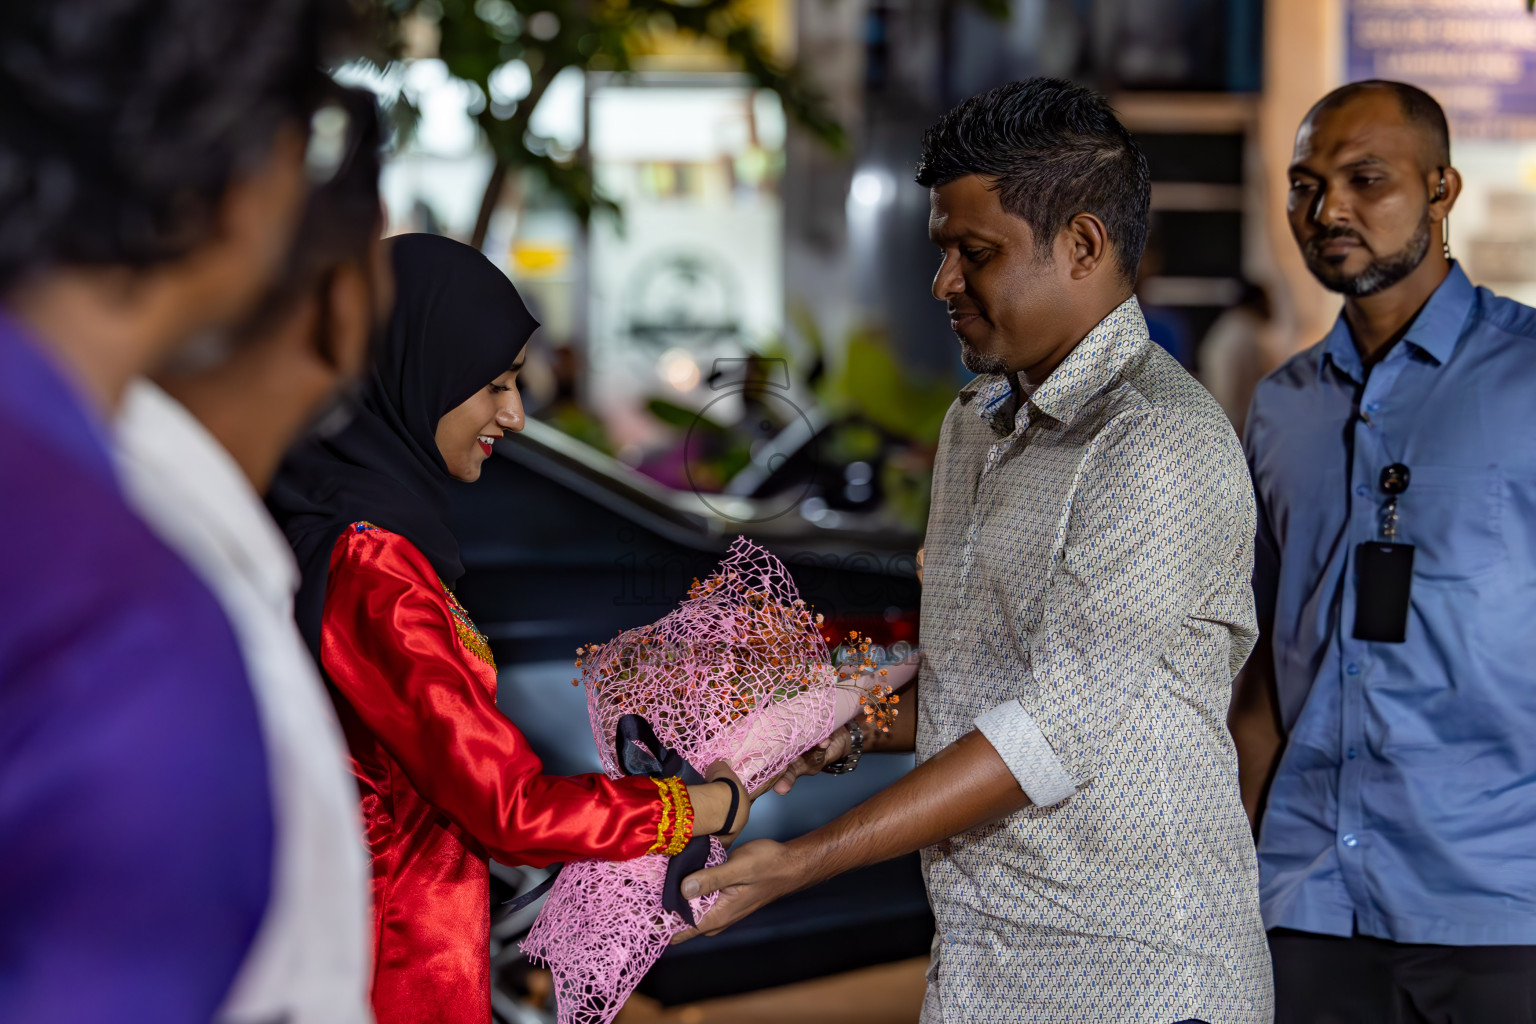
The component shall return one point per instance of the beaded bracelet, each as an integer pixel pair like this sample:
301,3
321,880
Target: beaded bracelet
664,822
682,823
682,831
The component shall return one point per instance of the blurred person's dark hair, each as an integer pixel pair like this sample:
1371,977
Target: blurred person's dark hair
1051,150
343,217
294,362
123,123
1254,297
1420,109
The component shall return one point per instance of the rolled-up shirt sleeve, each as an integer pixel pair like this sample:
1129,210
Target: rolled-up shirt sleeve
1151,529
1027,753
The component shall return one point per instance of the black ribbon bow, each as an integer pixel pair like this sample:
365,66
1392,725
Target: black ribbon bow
640,752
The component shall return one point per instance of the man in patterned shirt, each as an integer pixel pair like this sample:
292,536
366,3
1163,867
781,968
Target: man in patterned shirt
1087,605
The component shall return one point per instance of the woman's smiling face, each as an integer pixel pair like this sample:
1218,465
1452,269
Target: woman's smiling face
466,433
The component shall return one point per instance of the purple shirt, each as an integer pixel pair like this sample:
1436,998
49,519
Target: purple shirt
135,819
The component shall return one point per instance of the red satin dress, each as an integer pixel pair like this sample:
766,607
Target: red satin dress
447,781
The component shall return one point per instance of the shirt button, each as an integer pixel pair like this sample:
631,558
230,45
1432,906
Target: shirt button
1362,490
1352,669
1350,840
1372,406
1350,753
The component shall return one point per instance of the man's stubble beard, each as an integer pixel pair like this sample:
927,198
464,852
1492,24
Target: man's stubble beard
980,362
1379,275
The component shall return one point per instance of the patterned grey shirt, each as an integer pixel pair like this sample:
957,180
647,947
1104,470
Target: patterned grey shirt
1087,602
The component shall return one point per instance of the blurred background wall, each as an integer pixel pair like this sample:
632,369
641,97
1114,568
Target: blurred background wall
688,193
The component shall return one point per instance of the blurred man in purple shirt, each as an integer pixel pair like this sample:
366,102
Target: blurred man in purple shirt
152,166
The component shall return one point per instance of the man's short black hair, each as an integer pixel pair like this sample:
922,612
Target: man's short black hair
343,217
1052,150
123,123
1420,109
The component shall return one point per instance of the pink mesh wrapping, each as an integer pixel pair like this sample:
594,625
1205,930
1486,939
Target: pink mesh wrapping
739,672
602,927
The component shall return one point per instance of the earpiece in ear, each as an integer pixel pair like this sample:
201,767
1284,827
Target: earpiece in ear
1445,223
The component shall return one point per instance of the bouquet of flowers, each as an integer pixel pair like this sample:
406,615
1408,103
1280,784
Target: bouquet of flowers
739,672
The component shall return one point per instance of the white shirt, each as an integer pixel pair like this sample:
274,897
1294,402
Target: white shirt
310,962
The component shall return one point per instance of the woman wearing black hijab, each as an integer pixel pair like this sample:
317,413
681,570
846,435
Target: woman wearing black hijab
446,780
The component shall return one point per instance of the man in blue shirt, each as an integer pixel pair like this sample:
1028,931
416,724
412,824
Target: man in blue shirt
1391,707
151,171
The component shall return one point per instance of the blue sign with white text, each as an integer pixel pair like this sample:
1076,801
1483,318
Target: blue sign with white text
1477,57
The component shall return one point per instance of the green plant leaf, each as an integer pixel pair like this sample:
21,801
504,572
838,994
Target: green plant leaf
674,415
876,386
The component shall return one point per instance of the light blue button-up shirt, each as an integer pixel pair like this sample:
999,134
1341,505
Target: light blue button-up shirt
1404,804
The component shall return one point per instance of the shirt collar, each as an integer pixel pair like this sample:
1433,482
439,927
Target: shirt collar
1084,374
1339,349
1437,328
178,474
1435,331
1089,368
991,396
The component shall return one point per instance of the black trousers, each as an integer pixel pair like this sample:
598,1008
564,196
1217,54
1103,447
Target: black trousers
1324,979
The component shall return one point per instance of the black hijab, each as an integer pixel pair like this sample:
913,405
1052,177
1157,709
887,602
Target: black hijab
457,325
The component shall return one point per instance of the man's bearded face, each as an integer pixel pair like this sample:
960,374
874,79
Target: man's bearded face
1380,273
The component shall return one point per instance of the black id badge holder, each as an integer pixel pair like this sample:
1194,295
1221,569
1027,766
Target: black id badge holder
1384,571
